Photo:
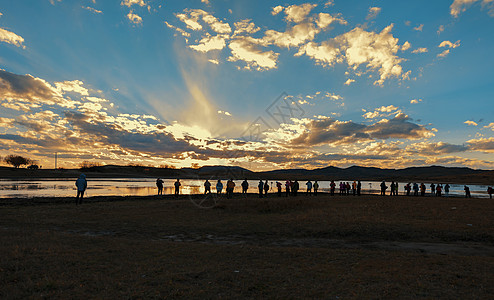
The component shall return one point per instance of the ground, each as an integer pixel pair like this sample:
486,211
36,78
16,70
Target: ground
341,247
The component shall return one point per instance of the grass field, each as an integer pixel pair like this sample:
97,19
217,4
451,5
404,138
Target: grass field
366,247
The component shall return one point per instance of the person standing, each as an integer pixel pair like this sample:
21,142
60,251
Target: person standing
278,185
230,186
446,190
295,187
415,189
422,189
438,190
81,184
433,189
287,187
392,192
159,185
219,187
245,186
383,188
260,186
177,185
490,191
359,188
316,187
332,187
207,187
467,192
309,187
266,188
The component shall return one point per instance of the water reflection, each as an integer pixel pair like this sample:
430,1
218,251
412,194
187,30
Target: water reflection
143,187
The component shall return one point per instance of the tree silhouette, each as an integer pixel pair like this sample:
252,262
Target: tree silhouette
16,160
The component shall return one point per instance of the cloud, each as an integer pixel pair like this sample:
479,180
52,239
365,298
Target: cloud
373,12
11,38
134,18
330,131
91,9
444,53
482,144
440,29
406,46
72,86
459,6
191,18
419,28
349,81
415,101
30,90
245,27
449,44
244,49
490,126
129,3
420,50
295,13
382,111
432,149
209,43
471,123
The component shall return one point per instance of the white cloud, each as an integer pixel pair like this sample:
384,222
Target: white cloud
244,49
214,61
406,46
420,50
415,101
205,1
191,19
209,43
471,123
459,6
419,28
295,36
245,27
129,3
373,12
444,53
91,9
72,86
276,10
11,38
349,81
221,112
449,44
134,18
298,13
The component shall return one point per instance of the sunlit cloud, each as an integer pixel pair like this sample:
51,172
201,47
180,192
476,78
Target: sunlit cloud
129,3
460,6
482,144
373,12
11,38
415,101
91,9
134,18
449,44
471,123
419,28
420,50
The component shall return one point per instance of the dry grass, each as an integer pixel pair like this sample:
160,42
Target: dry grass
305,247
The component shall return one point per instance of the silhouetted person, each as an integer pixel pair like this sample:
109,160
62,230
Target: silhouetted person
359,188
393,186
219,187
446,190
309,187
422,189
490,190
467,192
230,186
266,188
177,185
288,185
245,186
81,184
295,187
159,185
407,189
415,189
354,188
347,187
332,187
316,187
278,185
260,186
383,188
433,189
207,187
439,190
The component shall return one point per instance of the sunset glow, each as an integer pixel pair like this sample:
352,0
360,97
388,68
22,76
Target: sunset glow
258,84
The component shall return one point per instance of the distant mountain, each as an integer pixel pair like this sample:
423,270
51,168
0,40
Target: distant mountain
413,174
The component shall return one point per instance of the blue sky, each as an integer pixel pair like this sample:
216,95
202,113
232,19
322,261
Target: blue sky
155,82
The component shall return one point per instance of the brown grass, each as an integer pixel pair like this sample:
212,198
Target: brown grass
306,247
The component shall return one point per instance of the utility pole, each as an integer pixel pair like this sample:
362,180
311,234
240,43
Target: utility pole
55,160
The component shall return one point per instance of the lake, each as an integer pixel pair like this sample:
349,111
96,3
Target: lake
147,186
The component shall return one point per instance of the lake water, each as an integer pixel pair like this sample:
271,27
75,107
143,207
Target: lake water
147,186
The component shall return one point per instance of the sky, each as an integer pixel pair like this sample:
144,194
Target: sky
259,84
